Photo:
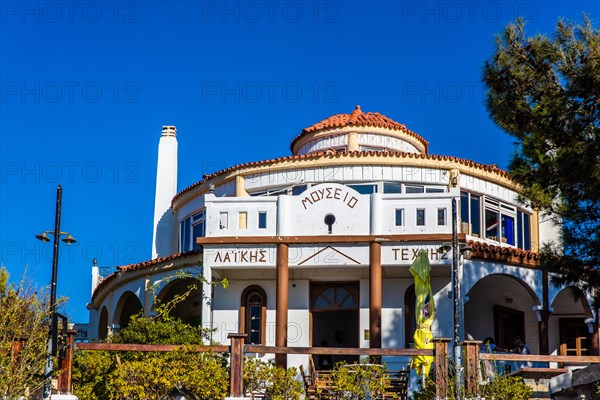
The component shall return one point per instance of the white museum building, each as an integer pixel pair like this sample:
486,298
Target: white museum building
316,247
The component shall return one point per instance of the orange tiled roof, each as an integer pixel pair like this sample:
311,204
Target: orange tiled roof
143,264
510,255
336,154
358,118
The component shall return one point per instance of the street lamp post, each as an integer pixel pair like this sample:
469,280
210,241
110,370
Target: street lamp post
458,252
53,333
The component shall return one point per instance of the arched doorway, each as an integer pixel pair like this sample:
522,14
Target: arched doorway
335,317
569,332
128,306
410,318
501,306
103,324
253,314
188,307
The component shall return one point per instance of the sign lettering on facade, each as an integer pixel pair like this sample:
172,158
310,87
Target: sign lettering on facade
405,255
244,255
336,193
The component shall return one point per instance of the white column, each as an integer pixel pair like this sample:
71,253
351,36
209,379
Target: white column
166,189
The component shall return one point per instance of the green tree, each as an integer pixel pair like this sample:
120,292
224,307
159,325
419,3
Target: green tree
545,92
23,317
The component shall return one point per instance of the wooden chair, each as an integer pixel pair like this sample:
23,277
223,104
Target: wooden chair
309,386
398,385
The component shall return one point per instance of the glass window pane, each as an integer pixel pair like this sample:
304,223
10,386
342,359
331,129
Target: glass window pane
296,190
262,220
392,187
435,190
349,302
526,232
441,216
414,189
340,295
364,189
464,212
491,224
399,217
223,220
186,240
475,215
420,217
508,229
198,231
520,229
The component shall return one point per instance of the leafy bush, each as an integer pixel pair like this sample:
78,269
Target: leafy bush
360,381
23,316
264,379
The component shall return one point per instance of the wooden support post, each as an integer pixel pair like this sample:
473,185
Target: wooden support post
441,367
65,385
236,362
375,296
472,367
281,307
543,332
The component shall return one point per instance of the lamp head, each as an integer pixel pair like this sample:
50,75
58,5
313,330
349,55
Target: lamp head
43,237
69,239
466,252
444,249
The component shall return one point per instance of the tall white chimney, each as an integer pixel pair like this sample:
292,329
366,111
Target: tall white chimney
166,189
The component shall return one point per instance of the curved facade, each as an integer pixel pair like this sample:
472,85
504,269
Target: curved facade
316,247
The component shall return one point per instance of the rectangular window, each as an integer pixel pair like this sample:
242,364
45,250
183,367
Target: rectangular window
262,220
508,229
492,220
526,232
464,213
475,215
508,323
441,216
392,187
223,220
364,189
243,220
520,229
198,228
420,217
399,217
297,190
414,189
435,190
185,235
574,337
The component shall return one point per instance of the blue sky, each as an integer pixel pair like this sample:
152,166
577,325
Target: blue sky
87,85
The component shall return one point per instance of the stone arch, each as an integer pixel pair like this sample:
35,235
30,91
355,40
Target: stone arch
576,295
502,306
189,309
128,306
103,324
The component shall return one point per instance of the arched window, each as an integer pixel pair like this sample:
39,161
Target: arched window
253,313
335,298
410,319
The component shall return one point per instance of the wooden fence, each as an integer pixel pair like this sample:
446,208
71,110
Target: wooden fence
472,363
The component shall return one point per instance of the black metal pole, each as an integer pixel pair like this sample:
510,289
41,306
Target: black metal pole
455,297
53,334
54,327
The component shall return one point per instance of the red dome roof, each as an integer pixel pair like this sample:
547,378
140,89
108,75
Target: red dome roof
358,118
